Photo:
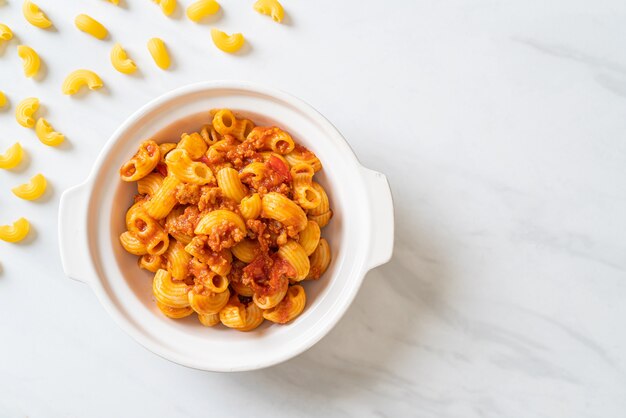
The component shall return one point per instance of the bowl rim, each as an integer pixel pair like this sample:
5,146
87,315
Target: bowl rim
327,321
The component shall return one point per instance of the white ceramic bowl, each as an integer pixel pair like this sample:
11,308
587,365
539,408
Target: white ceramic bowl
91,218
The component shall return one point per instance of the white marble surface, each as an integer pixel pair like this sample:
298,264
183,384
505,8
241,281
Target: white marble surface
501,126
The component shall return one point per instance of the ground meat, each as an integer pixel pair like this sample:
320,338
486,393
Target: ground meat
185,223
209,198
199,248
267,274
225,235
188,194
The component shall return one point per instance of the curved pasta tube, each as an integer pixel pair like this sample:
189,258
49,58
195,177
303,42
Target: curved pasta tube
12,156
174,313
169,292
91,26
25,110
202,8
246,250
193,144
6,34
306,196
273,138
289,308
34,15
228,181
47,135
209,303
294,254
159,53
177,260
209,320
242,289
132,244
227,43
303,155
164,200
240,317
31,190
324,205
212,220
151,262
150,184
320,259
15,232
250,206
270,300
323,219
165,148
167,6
120,60
31,60
180,164
270,8
225,123
310,237
143,162
79,78
3,99
284,210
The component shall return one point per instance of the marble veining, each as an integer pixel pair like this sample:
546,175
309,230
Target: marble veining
500,126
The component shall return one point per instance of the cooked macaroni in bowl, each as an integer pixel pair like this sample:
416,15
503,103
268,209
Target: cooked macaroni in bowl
229,219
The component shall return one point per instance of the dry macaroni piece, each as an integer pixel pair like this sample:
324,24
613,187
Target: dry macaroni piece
3,99
227,223
167,6
199,9
79,78
31,59
5,32
34,15
271,8
159,53
24,112
32,190
91,26
14,232
120,60
227,43
12,156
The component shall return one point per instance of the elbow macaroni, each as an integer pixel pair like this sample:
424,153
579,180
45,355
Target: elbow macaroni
3,99
15,232
159,53
31,190
91,26
47,135
229,221
120,60
5,32
12,156
227,43
199,9
25,110
79,78
30,59
167,6
270,8
34,15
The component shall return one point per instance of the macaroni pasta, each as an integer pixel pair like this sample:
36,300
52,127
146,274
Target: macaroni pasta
5,32
31,60
159,53
80,78
31,190
199,9
224,222
12,156
34,15
15,232
24,112
227,43
271,8
91,26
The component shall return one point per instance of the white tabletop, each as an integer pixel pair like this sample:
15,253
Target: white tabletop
501,127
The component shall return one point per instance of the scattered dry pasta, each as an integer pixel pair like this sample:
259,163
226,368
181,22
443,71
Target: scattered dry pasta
120,60
15,232
79,78
227,43
5,32
34,15
31,190
167,6
91,26
220,224
199,9
47,135
31,60
270,8
24,112
159,53
12,156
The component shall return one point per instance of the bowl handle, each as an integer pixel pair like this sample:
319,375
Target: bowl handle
73,242
382,224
